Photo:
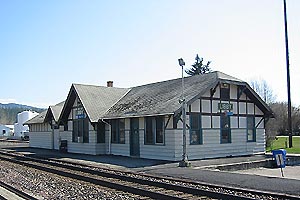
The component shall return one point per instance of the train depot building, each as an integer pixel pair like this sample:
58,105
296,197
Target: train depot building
225,117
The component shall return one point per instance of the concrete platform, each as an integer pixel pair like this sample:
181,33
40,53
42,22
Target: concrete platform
9,195
264,179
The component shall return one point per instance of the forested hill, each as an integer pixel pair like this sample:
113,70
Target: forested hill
9,112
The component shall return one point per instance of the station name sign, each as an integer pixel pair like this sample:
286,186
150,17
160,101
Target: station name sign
225,106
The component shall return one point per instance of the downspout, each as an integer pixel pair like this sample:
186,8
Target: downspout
109,136
52,134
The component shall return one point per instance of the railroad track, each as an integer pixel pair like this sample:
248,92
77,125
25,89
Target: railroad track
143,185
14,191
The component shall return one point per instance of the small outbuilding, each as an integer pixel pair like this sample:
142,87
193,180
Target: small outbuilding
44,129
225,117
5,130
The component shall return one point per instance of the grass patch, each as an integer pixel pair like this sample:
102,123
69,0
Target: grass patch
282,142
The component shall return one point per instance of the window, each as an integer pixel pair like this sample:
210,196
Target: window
80,130
225,129
195,129
154,130
251,131
159,130
118,131
225,92
66,126
100,132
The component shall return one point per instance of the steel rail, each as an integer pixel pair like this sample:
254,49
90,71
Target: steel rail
16,191
108,183
194,191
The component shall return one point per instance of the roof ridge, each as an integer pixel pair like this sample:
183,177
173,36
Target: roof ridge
100,86
186,77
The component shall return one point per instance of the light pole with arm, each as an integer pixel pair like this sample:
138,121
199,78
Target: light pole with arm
184,162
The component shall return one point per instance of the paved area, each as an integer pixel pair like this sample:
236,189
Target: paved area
289,172
9,195
264,179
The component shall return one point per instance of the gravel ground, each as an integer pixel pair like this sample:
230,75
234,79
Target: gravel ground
45,185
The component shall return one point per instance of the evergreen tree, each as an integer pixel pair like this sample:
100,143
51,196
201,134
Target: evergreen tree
198,67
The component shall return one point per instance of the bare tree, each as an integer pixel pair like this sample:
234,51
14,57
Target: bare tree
273,127
278,125
262,88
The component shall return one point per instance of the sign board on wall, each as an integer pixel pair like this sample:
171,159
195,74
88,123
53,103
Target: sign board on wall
225,106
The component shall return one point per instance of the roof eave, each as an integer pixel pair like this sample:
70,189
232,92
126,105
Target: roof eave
136,116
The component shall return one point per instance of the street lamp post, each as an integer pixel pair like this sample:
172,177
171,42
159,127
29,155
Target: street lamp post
184,162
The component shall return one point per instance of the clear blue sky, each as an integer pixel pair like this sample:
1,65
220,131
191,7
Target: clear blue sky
45,46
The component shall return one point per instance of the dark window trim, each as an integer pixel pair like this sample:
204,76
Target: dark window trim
82,128
199,130
225,92
154,130
253,128
100,132
231,100
225,129
119,130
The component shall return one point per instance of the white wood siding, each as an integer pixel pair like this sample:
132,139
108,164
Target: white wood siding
122,149
261,125
40,140
250,107
258,111
234,122
243,122
212,148
195,106
160,152
233,91
205,106
242,108
206,122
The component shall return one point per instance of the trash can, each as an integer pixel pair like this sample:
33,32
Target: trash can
280,157
63,146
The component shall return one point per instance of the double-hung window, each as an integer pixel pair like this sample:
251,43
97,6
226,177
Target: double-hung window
80,131
225,129
225,92
251,131
118,131
195,129
154,130
100,132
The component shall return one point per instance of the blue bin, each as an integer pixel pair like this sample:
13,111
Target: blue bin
280,157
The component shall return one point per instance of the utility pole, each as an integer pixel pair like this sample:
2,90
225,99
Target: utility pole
288,78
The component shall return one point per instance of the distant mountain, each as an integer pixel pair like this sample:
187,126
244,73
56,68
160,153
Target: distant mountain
9,112
15,105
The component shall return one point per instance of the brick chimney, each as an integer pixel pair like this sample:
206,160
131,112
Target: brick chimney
110,83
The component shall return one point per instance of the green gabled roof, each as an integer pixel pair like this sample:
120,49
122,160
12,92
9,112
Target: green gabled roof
163,97
159,98
52,111
96,100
